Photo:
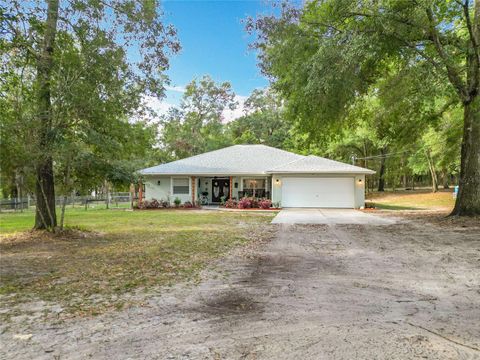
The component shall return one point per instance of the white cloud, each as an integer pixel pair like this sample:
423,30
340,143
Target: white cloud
160,107
230,115
178,88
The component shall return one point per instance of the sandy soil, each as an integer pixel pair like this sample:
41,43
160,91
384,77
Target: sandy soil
403,291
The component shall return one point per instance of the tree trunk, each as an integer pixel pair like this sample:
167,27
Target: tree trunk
66,186
45,216
433,172
468,198
445,179
381,175
107,194
404,175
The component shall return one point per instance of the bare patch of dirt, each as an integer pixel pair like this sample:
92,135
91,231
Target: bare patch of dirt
402,291
36,237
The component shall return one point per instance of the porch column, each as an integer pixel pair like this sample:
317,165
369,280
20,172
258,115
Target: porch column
266,188
193,190
230,190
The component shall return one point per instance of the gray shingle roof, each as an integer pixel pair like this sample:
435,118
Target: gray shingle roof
316,164
250,159
237,159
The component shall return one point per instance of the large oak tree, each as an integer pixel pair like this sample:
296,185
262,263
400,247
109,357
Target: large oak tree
325,56
93,61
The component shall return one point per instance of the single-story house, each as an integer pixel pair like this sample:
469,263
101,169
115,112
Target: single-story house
288,179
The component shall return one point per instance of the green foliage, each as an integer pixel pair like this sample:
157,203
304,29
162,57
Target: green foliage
96,129
264,122
197,125
373,78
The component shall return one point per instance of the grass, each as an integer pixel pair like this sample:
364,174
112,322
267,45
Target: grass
105,253
412,200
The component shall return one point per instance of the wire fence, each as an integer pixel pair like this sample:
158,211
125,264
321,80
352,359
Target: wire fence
117,200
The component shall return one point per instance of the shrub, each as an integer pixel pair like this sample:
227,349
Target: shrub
188,205
245,203
265,204
165,203
254,203
154,204
231,204
177,202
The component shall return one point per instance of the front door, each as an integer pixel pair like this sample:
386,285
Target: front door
220,187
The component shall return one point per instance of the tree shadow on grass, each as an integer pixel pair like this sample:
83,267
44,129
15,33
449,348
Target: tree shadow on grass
396,207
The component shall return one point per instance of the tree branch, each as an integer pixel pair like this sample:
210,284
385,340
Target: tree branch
452,72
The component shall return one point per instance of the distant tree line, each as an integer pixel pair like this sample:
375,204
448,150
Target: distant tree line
430,156
404,75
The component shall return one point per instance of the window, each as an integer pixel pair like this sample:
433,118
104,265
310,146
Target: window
181,186
254,183
254,187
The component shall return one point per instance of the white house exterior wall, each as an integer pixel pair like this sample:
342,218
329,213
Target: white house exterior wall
155,191
164,191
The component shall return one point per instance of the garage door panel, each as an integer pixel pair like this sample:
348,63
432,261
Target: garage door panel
318,192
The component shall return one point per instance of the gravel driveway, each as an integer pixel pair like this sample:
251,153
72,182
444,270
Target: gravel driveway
406,290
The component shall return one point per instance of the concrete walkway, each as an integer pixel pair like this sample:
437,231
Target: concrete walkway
328,216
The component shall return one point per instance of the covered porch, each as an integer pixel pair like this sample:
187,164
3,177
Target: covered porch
217,189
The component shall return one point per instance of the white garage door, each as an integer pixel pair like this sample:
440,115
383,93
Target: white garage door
318,192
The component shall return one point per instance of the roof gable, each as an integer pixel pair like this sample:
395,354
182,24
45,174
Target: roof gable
252,159
317,164
236,159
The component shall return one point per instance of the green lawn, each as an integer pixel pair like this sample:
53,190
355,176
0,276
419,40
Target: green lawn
412,200
106,253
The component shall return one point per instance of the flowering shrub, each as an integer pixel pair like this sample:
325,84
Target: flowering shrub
244,203
188,205
231,204
265,204
254,203
152,204
164,203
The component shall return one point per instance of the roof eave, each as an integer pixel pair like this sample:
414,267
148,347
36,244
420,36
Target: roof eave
205,173
364,172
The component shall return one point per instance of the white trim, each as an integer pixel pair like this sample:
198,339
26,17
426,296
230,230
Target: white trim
323,172
268,173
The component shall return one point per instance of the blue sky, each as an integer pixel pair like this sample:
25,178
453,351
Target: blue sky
214,42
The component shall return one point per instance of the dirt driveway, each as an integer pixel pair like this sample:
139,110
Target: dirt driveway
401,291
